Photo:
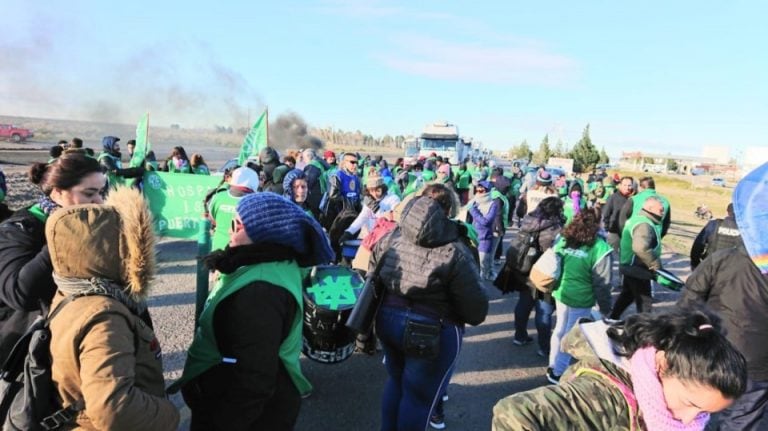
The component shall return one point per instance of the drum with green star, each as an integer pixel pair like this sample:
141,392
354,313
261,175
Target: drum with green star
330,293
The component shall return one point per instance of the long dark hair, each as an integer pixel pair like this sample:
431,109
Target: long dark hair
695,349
64,173
179,151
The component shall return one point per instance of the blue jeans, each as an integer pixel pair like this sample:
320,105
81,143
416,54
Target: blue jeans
543,319
567,317
413,384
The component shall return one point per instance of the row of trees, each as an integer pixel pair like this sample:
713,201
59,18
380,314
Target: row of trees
584,154
357,138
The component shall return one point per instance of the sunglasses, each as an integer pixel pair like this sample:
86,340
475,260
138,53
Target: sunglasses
236,226
354,162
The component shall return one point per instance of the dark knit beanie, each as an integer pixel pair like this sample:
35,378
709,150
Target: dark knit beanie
272,219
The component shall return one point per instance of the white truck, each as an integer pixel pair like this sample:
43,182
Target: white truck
442,139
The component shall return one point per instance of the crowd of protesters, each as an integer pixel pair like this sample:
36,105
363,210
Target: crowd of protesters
432,232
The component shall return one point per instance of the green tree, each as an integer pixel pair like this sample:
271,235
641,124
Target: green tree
672,165
521,151
584,154
561,150
544,152
604,159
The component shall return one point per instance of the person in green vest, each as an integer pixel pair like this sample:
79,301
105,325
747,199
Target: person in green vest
428,173
513,194
574,203
463,180
640,257
415,179
330,159
242,369
198,165
315,175
635,204
150,162
585,279
221,208
112,165
444,175
178,162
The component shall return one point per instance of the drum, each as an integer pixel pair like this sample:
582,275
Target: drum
669,280
330,293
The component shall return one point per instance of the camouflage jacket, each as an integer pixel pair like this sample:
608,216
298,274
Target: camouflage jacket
593,394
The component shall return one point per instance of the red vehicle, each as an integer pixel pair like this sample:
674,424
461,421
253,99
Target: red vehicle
14,134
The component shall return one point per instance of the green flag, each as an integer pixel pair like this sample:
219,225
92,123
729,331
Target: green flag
255,140
142,141
176,201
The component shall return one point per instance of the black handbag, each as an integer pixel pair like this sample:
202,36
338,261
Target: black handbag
363,314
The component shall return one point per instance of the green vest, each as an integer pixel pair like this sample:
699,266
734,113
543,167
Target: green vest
204,352
575,287
464,178
323,178
610,188
626,255
639,199
202,170
414,184
223,206
568,208
113,180
495,194
428,175
184,169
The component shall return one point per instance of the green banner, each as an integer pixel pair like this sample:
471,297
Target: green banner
255,140
142,141
176,201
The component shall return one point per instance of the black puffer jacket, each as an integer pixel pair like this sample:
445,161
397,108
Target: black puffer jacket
426,261
25,276
511,279
730,285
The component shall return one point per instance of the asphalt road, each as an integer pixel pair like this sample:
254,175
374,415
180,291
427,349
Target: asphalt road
347,395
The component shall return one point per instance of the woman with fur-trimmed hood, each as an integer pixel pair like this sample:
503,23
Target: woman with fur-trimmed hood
106,358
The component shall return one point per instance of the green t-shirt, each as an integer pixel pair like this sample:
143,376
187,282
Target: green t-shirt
222,211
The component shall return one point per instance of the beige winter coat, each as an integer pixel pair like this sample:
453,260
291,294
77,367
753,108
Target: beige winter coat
102,352
109,357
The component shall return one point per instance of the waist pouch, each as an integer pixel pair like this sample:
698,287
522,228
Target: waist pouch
422,340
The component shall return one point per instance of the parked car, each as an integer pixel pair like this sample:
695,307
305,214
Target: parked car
14,134
719,182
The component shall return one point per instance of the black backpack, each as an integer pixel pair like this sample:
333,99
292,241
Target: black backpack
527,251
28,398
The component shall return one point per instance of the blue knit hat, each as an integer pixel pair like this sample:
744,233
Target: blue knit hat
272,219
